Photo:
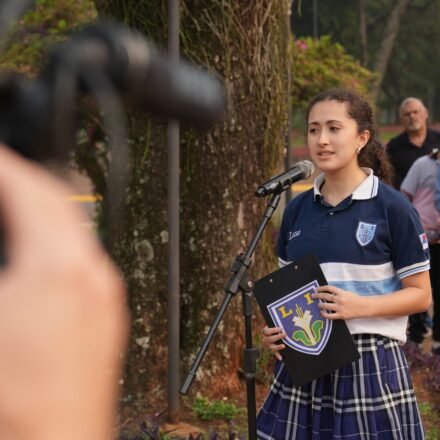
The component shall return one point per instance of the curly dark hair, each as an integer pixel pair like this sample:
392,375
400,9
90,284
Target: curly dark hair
373,155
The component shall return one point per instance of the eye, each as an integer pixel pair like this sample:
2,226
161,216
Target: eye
313,130
334,128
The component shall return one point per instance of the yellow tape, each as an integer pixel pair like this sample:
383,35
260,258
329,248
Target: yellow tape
298,187
83,198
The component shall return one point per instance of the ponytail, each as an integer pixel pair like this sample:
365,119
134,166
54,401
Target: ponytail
374,156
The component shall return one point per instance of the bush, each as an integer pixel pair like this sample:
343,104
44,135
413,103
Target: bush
217,409
321,64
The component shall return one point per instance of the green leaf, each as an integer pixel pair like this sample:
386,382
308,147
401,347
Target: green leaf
317,327
301,336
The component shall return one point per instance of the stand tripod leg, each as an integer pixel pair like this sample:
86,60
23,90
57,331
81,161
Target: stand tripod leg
250,355
240,281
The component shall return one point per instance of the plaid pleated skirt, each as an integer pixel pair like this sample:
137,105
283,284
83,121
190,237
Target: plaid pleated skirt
369,399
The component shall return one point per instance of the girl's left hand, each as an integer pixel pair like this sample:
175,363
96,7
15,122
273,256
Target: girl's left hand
340,304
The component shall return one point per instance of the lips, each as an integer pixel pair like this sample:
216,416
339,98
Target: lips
325,153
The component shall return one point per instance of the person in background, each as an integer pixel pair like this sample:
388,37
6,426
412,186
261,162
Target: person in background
360,229
415,141
63,318
420,186
437,189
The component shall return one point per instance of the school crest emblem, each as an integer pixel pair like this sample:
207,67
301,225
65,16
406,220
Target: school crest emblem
365,233
299,315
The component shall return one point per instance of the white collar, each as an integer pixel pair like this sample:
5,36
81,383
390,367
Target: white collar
366,190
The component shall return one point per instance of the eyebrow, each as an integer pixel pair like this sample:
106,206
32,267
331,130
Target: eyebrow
331,121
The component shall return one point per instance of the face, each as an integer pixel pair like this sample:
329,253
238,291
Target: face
414,116
333,137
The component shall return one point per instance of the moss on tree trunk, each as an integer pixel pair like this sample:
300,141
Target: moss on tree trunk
245,44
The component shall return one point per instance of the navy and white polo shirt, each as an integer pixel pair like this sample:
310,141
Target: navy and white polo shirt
366,244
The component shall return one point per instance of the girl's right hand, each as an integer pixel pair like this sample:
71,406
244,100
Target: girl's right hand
270,336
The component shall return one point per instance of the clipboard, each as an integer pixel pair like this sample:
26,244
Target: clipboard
315,346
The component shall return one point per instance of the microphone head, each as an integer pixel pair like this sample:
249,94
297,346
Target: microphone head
306,167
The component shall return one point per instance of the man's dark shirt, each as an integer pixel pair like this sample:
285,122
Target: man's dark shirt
403,153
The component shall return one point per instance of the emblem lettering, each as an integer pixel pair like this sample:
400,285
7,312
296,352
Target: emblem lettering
285,314
294,234
308,298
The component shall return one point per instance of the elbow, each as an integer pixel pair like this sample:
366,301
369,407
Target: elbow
426,301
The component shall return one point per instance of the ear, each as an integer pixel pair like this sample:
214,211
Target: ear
364,137
426,112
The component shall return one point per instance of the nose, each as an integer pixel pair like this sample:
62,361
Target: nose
323,138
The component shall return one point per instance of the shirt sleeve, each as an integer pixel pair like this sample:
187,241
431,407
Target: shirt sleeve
411,182
437,189
409,244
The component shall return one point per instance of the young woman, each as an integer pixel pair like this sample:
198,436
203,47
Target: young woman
374,254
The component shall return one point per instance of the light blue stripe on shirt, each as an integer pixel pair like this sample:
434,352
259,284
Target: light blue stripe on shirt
369,288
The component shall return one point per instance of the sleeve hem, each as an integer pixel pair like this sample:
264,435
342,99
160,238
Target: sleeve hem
413,269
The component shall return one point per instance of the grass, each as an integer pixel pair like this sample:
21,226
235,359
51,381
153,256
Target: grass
431,417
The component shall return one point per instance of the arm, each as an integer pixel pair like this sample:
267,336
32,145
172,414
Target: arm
411,183
415,296
63,320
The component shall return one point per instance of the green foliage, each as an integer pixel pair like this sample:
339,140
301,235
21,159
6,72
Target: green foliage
265,363
215,409
49,22
431,416
320,64
414,66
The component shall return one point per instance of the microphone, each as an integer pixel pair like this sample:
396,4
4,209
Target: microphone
146,78
278,184
105,59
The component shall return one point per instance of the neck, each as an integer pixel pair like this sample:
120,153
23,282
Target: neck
417,137
339,185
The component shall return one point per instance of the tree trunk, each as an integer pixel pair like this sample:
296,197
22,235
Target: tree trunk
363,33
391,31
246,46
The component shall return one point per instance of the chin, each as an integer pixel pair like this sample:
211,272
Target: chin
327,167
414,128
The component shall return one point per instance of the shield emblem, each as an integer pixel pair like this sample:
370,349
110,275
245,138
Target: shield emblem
365,233
299,315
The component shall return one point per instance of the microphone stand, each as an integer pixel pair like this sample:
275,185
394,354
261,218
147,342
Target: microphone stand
240,281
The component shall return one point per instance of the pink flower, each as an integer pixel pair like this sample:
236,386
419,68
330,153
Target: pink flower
302,45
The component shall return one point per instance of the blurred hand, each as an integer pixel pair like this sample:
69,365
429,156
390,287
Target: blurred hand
63,320
270,337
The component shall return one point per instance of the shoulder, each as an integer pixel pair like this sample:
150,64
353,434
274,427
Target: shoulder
421,162
396,141
300,199
418,165
392,200
423,166
297,206
434,133
398,212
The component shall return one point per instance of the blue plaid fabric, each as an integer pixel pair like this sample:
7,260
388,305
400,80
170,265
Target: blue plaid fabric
370,399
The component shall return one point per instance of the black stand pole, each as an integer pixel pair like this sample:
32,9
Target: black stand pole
240,281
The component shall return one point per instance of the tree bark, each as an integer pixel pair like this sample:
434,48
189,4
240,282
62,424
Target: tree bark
246,46
363,33
391,31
